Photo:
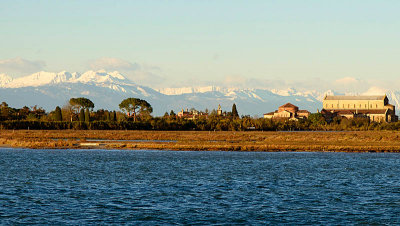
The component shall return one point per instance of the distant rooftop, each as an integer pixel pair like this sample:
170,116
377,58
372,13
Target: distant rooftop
288,105
354,97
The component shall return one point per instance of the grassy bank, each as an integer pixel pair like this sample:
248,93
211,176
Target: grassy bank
359,141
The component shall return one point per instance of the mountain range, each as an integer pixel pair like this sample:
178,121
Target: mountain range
108,89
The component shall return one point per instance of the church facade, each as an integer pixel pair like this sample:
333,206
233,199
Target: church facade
376,108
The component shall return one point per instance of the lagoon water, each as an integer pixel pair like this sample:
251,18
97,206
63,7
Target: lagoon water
170,187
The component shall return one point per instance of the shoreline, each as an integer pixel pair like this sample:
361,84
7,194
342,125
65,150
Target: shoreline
346,141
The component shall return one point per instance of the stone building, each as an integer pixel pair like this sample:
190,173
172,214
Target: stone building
219,111
192,114
288,111
376,108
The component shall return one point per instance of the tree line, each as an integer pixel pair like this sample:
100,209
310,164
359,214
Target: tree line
135,114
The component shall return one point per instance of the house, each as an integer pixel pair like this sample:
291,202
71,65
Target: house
375,108
288,111
191,115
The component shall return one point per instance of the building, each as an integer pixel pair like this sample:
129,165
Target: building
288,111
375,108
190,115
219,111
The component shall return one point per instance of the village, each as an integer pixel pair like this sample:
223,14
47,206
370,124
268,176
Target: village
374,108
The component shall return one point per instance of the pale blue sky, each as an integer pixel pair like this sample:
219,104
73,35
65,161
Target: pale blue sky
180,42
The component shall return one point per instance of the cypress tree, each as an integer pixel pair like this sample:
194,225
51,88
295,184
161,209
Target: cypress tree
87,115
235,113
82,115
114,116
58,114
111,116
107,115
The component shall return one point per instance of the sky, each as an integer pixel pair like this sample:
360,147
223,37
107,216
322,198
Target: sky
348,45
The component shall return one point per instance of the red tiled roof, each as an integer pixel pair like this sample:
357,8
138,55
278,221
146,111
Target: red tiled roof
376,111
288,105
348,112
303,111
271,113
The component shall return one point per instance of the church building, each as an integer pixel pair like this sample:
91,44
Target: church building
288,111
376,108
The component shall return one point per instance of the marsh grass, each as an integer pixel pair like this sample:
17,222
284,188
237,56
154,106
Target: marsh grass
357,141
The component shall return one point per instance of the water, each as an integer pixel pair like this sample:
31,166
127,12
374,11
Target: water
168,187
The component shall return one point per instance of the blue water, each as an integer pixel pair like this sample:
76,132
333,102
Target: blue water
168,187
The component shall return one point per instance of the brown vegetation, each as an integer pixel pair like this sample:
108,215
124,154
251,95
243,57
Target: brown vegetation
354,141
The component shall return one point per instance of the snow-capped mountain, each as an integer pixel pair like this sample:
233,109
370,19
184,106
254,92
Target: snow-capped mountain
48,78
108,89
4,80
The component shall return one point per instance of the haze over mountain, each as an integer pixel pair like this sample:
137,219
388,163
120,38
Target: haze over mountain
108,89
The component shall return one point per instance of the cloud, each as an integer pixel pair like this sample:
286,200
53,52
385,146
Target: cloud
234,80
109,63
347,80
143,74
18,66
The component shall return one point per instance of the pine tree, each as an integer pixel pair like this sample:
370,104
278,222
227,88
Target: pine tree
235,113
87,115
114,116
58,115
82,115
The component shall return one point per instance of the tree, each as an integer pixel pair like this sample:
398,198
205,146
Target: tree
37,112
81,102
235,113
58,114
316,119
4,111
106,115
82,115
114,118
87,115
134,106
172,114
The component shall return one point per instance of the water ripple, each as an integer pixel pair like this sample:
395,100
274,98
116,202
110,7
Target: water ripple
168,187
